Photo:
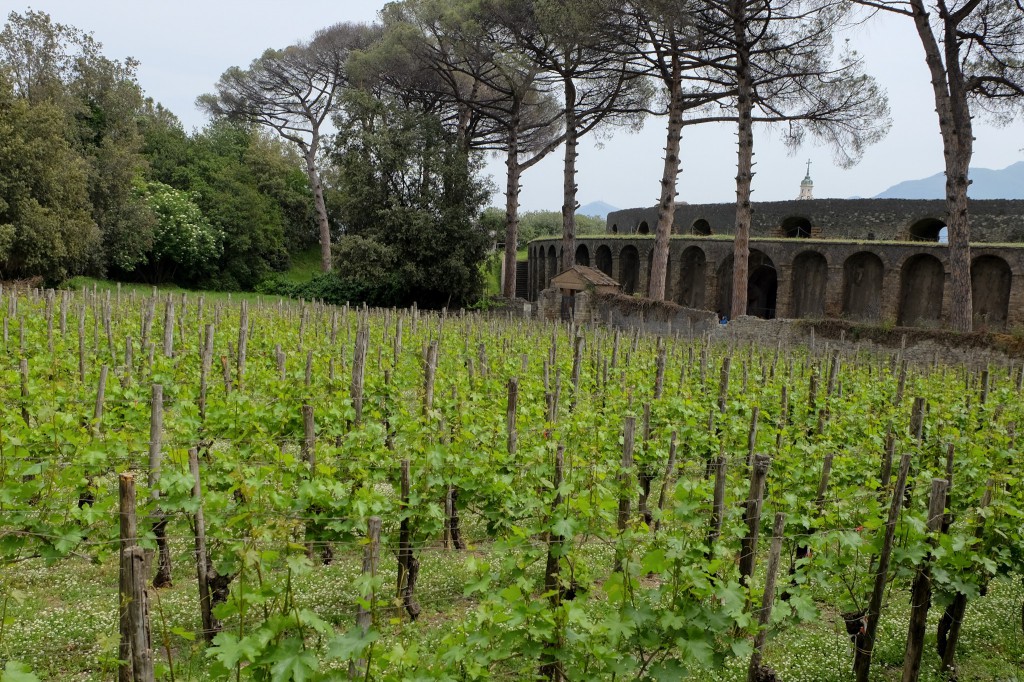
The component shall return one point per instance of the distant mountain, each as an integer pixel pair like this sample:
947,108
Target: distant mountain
596,208
1007,183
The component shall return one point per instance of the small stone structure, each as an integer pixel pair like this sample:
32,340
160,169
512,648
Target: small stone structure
579,283
583,278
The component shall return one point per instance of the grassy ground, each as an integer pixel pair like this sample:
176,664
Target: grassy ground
305,265
127,288
64,622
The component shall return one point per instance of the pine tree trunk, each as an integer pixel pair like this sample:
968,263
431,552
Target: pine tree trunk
957,148
511,210
569,179
309,153
744,164
667,203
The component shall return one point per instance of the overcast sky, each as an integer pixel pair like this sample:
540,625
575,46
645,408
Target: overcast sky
185,45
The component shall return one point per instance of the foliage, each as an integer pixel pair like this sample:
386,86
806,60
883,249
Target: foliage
45,223
535,224
247,186
676,609
411,192
183,238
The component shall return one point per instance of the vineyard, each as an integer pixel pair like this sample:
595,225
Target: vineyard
197,488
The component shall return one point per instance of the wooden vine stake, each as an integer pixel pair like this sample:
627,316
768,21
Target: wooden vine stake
718,505
625,480
752,516
723,384
865,641
666,480
408,564
429,375
953,618
646,471
243,343
359,370
134,651
169,328
210,624
368,602
550,668
754,671
921,590
510,417
156,427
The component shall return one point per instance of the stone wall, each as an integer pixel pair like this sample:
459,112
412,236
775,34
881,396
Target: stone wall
905,283
993,221
920,347
618,310
581,306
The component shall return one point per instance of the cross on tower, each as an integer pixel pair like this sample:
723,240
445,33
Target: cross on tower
808,168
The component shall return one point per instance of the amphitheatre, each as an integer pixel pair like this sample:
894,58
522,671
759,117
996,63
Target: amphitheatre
882,261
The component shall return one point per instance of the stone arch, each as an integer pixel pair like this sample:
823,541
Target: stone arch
552,266
990,291
762,285
921,283
693,265
926,230
796,227
863,274
643,228
615,228
701,227
629,269
603,259
582,255
810,279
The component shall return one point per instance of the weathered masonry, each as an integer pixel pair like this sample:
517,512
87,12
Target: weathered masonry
900,283
992,221
873,260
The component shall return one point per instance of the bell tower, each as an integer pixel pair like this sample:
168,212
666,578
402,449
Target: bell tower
807,185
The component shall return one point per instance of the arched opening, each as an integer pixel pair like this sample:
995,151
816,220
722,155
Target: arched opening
796,227
921,282
810,279
692,278
646,285
603,259
540,272
615,228
926,230
629,269
863,274
762,286
552,266
644,228
990,292
701,227
582,255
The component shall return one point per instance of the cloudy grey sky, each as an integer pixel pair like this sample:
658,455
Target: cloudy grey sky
185,45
